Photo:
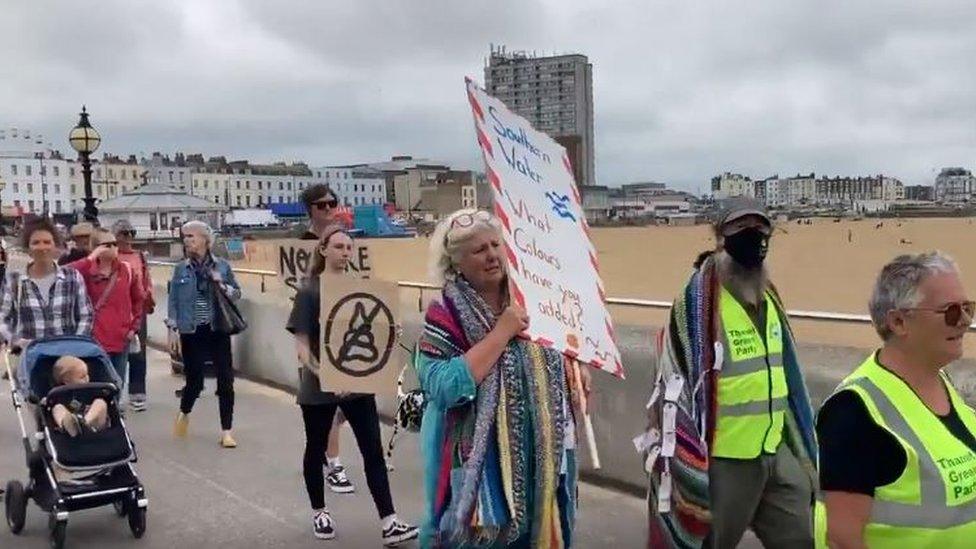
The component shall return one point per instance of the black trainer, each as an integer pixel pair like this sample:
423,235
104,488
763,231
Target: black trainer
338,481
399,532
322,525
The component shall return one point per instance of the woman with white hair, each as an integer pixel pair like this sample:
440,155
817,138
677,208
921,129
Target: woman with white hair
191,319
897,444
498,434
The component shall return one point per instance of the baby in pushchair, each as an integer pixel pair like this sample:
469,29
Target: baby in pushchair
79,453
71,370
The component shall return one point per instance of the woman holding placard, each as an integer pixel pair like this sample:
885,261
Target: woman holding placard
498,434
319,407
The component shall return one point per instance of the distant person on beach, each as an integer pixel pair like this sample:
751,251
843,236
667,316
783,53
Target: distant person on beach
754,465
897,440
320,204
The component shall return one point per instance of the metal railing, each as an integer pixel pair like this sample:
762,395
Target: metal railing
421,287
236,270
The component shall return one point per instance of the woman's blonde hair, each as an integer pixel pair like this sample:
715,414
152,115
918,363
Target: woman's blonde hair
450,235
202,227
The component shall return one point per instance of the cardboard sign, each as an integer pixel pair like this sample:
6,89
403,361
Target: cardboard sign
552,262
359,351
295,258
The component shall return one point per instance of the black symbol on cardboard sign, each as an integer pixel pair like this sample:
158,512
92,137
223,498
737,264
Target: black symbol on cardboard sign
358,342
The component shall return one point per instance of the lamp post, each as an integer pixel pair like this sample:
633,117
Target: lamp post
85,140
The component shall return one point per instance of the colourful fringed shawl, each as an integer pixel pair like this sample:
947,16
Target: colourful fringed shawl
486,466
686,349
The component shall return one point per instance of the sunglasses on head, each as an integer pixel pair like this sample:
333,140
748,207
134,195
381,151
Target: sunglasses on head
469,219
323,204
952,312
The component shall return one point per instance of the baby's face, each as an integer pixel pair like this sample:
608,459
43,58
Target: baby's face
76,372
77,375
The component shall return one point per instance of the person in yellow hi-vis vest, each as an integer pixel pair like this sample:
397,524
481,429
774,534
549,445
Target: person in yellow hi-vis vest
898,451
730,444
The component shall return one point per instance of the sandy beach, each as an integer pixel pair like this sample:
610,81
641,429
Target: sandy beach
825,266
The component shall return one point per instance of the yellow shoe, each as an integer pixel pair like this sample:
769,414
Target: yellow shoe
227,441
182,423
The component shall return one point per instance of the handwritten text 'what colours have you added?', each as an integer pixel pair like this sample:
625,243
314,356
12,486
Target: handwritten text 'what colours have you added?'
553,268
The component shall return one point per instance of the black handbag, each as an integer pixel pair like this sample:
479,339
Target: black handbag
227,318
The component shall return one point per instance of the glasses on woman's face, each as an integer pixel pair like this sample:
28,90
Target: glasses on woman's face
323,204
469,219
952,313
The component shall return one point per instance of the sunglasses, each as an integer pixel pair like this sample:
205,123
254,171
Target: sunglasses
127,233
469,219
323,204
109,244
952,312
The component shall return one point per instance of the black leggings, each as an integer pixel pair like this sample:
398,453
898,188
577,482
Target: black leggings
360,412
198,348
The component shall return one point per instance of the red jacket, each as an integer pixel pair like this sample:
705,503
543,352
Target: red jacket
140,271
121,312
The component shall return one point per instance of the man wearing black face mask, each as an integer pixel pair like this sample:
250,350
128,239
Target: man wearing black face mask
728,377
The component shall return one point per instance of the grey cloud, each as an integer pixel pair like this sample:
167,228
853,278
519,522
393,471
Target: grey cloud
682,90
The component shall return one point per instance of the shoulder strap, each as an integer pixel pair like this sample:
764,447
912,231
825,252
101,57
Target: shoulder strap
108,289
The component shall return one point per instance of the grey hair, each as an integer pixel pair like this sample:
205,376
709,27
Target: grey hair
897,285
447,242
202,227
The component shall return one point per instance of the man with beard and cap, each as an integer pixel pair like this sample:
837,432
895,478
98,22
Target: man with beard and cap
730,441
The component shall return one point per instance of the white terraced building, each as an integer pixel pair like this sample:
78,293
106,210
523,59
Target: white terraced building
36,178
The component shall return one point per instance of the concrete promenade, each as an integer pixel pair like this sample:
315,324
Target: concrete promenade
254,496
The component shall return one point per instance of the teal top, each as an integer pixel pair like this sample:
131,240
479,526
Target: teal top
447,383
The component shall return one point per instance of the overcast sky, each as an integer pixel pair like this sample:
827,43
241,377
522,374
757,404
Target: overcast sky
682,90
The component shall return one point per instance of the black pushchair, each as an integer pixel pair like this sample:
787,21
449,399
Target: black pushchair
99,464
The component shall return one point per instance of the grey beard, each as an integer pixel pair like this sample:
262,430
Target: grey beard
748,285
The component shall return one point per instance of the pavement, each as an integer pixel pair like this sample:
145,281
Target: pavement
253,496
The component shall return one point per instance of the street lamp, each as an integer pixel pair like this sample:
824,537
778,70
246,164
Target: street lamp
85,140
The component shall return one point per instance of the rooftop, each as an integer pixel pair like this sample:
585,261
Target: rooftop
155,197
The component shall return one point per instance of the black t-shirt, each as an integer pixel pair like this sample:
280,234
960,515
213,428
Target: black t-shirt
856,454
309,235
304,319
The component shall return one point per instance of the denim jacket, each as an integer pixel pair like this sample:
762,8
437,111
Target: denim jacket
183,293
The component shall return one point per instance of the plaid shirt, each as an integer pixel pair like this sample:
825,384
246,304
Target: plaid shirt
67,309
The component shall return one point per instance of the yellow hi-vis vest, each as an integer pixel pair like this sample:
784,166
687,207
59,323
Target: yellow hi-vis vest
752,393
933,502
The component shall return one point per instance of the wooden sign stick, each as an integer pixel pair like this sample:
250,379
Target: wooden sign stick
587,420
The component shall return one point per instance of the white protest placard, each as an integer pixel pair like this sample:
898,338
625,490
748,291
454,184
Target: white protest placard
553,264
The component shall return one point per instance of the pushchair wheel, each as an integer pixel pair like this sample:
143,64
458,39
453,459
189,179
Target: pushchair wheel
137,520
59,530
119,506
15,505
